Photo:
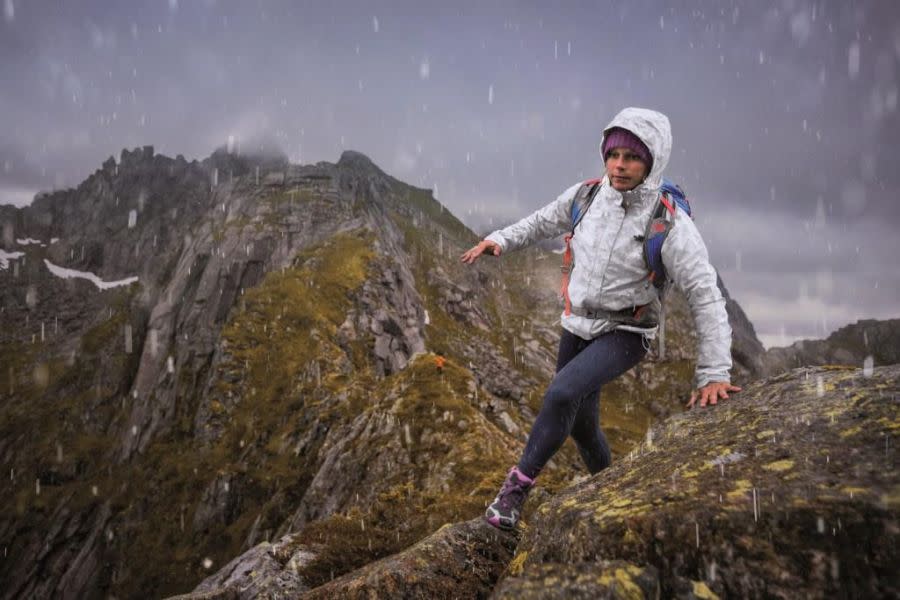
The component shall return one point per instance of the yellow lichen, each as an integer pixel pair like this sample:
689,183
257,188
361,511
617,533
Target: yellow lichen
517,564
625,586
893,425
569,503
852,431
765,434
779,465
702,591
891,499
742,486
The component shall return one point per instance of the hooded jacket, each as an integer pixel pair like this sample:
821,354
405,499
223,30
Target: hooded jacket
609,272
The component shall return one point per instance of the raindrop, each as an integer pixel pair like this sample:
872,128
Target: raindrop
375,24
853,60
491,94
801,26
868,366
128,339
207,563
41,375
819,222
31,296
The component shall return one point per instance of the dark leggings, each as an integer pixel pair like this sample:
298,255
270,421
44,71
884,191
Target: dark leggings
572,401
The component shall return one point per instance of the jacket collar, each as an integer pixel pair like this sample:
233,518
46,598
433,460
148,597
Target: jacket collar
641,196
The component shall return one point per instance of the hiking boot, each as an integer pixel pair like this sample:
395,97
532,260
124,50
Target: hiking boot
505,510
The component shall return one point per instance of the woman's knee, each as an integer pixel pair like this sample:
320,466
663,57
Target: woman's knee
561,399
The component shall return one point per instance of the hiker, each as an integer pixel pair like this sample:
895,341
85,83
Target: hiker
612,306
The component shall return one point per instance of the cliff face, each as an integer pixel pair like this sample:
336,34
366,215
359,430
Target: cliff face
202,357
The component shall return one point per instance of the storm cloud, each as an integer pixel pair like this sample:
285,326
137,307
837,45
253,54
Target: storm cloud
784,113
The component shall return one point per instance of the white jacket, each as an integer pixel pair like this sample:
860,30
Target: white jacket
609,271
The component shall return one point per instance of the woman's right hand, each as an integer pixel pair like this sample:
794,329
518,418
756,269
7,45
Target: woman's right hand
484,246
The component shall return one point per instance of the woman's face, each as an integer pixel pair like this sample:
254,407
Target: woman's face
625,169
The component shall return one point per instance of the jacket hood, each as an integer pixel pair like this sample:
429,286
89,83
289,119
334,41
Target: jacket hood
653,129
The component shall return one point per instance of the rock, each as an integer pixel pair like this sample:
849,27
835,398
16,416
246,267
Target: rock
613,580
267,571
787,490
463,560
508,423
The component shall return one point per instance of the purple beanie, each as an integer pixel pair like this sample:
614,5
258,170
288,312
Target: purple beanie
622,138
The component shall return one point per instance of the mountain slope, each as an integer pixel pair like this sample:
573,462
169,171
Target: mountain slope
270,372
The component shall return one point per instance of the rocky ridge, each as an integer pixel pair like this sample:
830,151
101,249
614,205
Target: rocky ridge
269,374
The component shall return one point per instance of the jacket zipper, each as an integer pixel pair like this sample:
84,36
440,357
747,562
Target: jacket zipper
609,258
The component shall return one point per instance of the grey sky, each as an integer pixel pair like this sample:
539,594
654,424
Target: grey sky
784,113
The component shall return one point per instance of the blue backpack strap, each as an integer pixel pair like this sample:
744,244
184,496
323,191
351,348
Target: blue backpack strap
671,190
583,198
658,229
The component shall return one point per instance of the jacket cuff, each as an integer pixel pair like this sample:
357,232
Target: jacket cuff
494,237
702,380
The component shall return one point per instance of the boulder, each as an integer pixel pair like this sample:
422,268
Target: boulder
787,490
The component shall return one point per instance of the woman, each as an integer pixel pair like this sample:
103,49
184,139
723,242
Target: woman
601,339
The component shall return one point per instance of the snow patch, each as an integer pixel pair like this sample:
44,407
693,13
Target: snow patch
72,273
5,257
26,241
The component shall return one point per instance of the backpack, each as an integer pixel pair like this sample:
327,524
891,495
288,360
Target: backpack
671,197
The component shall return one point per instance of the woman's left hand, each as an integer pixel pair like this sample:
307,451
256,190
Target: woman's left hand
711,392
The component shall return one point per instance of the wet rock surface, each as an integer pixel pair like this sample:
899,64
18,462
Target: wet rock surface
267,571
461,560
788,490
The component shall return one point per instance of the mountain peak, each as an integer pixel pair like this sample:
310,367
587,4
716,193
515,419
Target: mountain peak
357,161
